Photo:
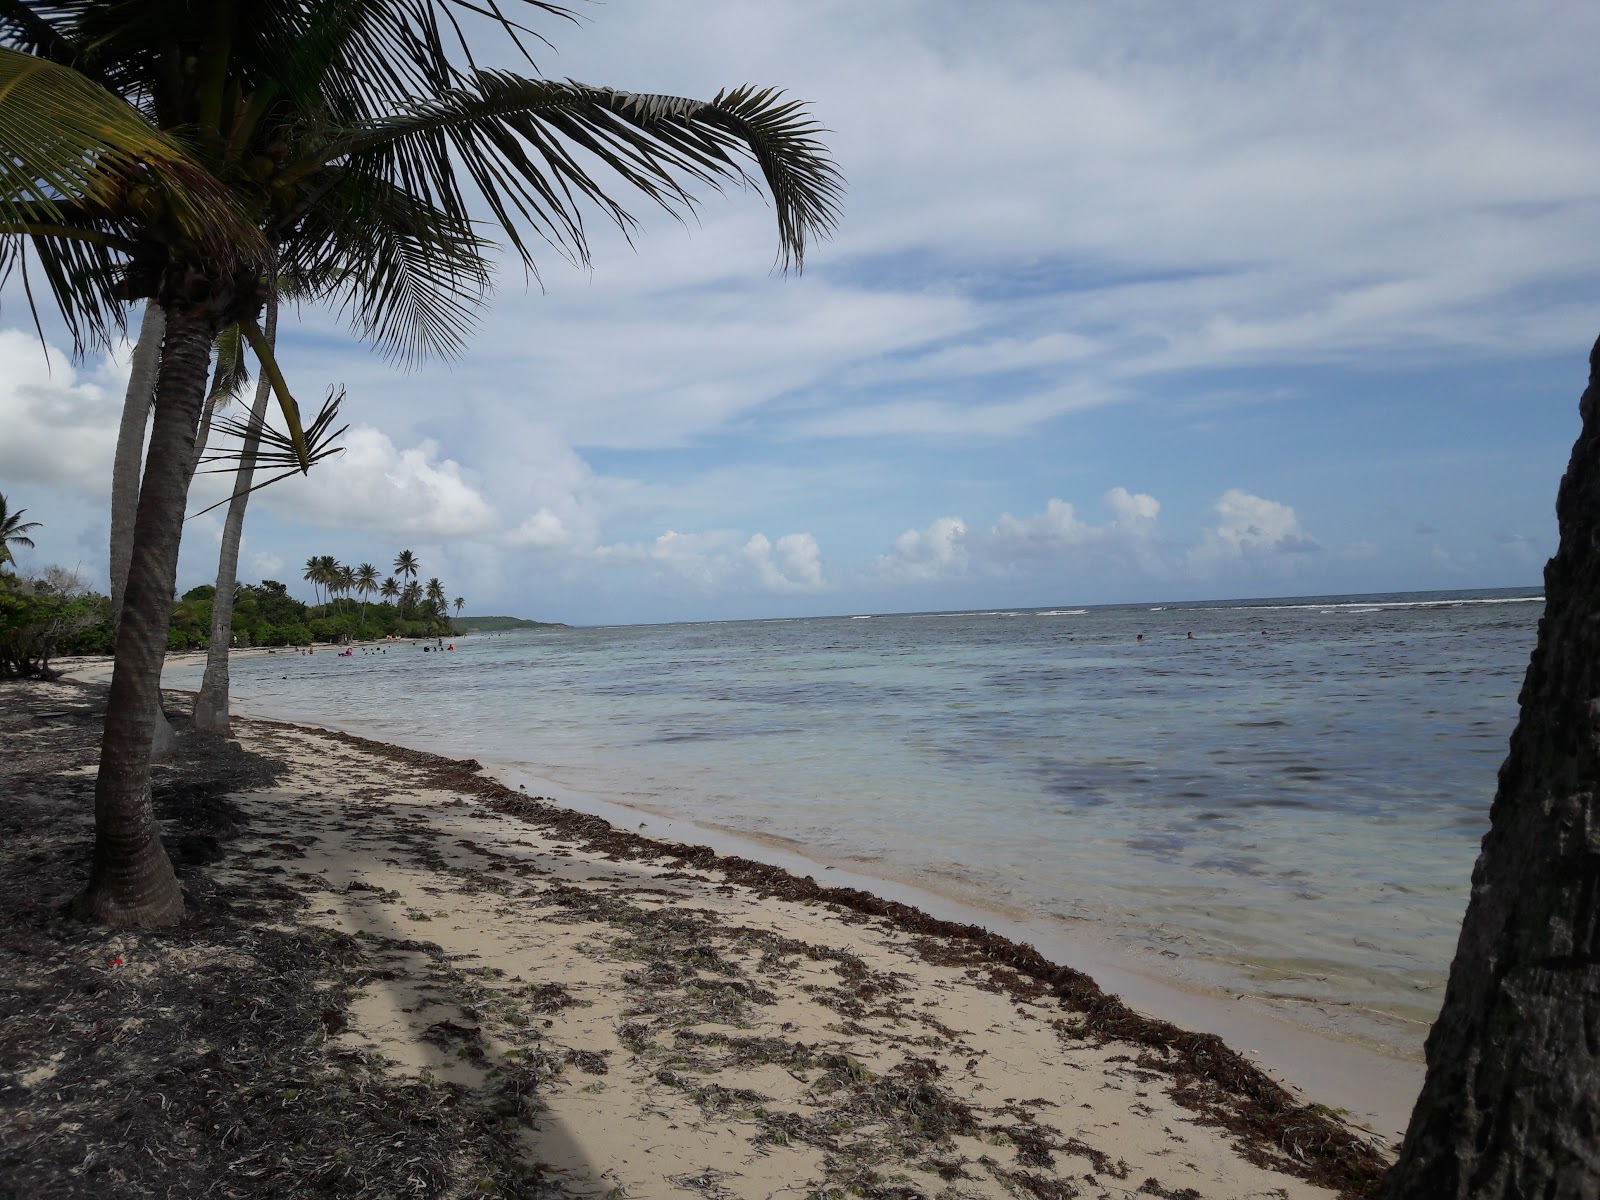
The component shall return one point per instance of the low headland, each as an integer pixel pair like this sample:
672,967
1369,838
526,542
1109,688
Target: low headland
402,977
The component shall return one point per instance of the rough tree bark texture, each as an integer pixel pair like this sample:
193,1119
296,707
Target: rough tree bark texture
130,449
1511,1103
132,882
211,706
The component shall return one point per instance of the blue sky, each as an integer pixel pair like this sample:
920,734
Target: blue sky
1129,302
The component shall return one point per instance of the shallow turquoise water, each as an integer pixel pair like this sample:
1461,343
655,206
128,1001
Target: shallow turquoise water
1288,804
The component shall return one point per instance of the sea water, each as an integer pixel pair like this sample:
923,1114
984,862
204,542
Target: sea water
1286,804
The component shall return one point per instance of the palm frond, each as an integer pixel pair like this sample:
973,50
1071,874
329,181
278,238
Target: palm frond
280,388
79,170
276,449
411,279
516,140
232,372
70,150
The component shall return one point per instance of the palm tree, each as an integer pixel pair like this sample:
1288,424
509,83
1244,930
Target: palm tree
13,531
366,581
328,136
211,705
410,598
459,605
1508,1106
389,588
406,565
437,605
346,576
313,576
328,576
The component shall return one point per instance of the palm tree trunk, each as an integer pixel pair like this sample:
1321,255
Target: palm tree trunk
130,449
1510,1105
132,882
211,706
125,475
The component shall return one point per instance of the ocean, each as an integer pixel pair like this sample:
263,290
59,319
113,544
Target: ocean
1285,805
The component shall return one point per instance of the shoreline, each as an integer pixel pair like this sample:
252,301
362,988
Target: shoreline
1318,1060
641,1016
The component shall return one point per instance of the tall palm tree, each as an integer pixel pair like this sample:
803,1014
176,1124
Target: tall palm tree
13,531
410,598
437,605
389,589
329,136
366,581
406,565
459,605
211,705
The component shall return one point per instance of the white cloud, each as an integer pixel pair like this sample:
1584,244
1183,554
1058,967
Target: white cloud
795,567
717,562
937,552
542,530
58,422
1251,530
377,486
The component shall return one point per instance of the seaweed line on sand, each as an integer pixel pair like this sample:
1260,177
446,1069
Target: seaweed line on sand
1270,1128
197,1061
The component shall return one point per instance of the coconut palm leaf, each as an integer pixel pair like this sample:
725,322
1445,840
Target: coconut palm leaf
516,138
277,449
411,278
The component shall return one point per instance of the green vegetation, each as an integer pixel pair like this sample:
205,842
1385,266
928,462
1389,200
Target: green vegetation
51,613
500,624
45,615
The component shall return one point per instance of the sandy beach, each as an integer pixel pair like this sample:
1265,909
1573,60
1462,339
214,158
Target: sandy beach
403,977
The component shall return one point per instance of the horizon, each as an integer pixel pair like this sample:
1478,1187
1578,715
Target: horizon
1294,601
1227,329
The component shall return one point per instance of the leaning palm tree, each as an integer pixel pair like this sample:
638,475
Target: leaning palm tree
211,704
459,605
227,379
13,531
343,141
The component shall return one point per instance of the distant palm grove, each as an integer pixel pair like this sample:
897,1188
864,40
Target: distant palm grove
344,608
351,604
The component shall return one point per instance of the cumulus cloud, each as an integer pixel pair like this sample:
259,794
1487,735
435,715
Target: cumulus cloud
719,562
936,552
794,565
58,422
378,486
1058,537
542,530
1253,530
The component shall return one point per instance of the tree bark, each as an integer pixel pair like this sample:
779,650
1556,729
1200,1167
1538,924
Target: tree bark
1511,1103
130,449
131,882
211,706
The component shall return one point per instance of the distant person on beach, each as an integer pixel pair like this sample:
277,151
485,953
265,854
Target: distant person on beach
1191,635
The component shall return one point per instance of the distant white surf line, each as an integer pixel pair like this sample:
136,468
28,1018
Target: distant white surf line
1374,606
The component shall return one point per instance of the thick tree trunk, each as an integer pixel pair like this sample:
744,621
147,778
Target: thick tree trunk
211,706
132,882
1511,1103
130,449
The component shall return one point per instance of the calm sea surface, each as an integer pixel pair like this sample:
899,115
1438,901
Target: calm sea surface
1286,805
